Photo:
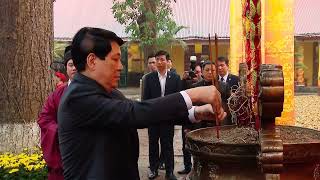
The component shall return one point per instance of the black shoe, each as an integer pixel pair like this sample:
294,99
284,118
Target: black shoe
153,174
185,171
171,176
161,166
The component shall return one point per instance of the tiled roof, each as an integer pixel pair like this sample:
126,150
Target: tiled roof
307,15
201,17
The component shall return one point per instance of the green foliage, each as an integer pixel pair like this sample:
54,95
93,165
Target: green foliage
298,54
300,65
58,50
252,10
148,21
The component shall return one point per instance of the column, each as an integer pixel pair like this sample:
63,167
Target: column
236,36
278,48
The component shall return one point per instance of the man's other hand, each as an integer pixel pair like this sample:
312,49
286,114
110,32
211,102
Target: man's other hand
207,95
206,112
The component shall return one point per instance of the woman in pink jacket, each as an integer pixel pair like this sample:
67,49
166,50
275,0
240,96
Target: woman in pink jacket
48,124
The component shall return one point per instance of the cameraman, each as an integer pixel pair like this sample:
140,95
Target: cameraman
223,87
195,75
225,93
192,76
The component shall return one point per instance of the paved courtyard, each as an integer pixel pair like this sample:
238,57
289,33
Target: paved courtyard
134,93
144,150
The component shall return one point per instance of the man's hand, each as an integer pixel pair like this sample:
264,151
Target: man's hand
206,112
208,95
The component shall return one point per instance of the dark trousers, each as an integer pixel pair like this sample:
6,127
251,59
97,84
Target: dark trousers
161,158
165,133
186,154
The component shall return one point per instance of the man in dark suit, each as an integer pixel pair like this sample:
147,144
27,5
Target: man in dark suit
170,66
151,67
224,75
158,84
208,73
97,124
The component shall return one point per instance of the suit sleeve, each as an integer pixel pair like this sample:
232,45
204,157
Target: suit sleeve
98,111
146,88
179,82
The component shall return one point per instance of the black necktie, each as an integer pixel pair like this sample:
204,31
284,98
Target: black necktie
221,79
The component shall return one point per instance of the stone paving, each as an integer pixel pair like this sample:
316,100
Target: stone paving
134,93
144,150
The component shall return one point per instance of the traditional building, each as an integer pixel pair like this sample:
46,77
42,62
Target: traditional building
200,18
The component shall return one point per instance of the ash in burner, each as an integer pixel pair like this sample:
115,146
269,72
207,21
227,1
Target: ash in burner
247,135
237,135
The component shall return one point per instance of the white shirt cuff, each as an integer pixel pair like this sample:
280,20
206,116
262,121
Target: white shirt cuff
187,99
191,116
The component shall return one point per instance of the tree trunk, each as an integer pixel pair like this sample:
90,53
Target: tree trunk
150,6
26,50
26,43
147,51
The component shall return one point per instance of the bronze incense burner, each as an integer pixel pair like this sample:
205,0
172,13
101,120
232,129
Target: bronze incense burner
273,152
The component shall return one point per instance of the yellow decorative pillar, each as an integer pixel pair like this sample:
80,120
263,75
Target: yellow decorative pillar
237,49
277,44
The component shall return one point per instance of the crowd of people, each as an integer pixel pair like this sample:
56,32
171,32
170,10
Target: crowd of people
162,80
89,129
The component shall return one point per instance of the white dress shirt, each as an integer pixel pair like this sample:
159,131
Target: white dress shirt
187,100
162,80
225,77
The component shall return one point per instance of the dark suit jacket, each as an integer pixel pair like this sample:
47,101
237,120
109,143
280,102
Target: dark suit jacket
232,80
143,79
173,70
97,130
152,88
224,90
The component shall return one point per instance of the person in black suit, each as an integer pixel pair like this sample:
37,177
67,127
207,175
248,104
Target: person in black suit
224,90
170,68
224,75
151,64
158,84
151,67
97,125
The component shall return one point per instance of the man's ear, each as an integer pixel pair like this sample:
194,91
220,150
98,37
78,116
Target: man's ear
91,61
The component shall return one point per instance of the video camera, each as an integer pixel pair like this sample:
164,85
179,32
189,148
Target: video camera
193,60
